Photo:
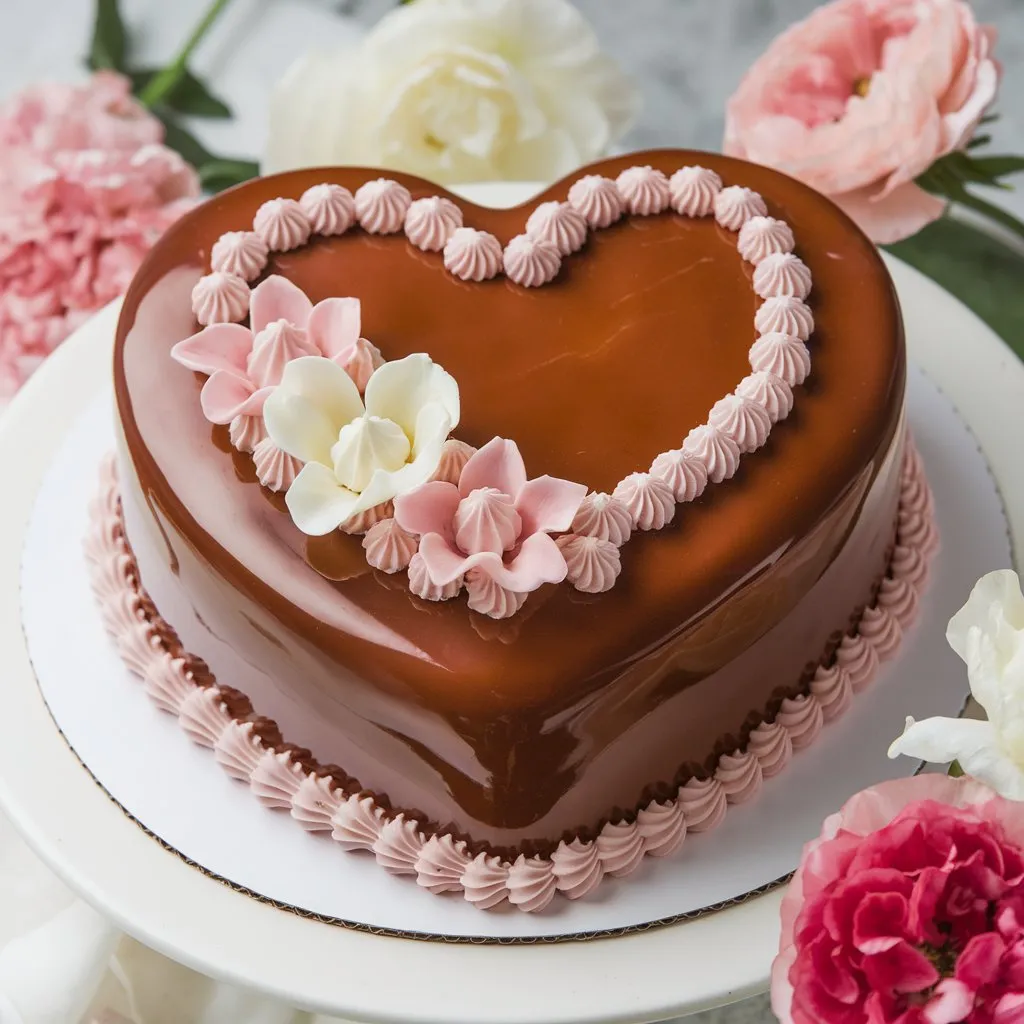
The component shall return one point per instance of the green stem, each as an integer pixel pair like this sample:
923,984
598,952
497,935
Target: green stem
163,83
990,210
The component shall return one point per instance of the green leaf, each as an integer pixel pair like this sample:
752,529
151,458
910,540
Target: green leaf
182,141
955,771
190,96
998,166
109,40
989,119
218,174
978,141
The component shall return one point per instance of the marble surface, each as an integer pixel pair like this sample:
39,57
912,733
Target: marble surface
687,55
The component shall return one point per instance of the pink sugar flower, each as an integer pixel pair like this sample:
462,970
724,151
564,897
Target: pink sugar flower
908,909
495,521
245,364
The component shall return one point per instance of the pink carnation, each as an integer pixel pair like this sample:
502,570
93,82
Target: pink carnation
908,909
86,188
863,97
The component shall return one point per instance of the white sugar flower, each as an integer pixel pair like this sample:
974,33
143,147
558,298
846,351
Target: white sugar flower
456,91
988,633
359,455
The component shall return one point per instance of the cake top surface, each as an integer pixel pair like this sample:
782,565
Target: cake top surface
593,375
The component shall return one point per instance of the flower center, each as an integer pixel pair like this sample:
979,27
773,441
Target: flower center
365,445
862,86
486,520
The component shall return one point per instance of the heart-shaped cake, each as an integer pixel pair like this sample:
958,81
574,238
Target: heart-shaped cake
579,389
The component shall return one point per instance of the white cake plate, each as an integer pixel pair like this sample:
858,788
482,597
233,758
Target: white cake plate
158,898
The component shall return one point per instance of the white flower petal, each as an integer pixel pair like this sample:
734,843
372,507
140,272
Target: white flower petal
318,503
996,597
940,740
400,389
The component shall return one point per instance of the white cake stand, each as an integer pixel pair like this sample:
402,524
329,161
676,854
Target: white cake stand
194,919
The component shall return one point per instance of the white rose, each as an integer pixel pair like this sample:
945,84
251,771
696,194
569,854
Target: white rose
456,91
359,455
988,633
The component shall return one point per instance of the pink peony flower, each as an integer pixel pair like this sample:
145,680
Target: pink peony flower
864,96
245,364
495,521
85,190
908,909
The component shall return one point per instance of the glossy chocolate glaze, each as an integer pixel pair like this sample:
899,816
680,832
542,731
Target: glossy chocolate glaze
525,729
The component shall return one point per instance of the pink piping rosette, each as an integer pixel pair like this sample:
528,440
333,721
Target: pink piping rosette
495,521
242,373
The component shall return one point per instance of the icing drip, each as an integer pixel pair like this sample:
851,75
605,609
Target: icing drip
693,191
220,298
597,199
282,224
802,718
204,715
621,849
276,779
454,456
900,598
779,354
361,361
424,587
683,471
644,190
531,883
238,750
740,776
487,520
719,453
785,314
381,206
486,597
662,827
703,804
441,864
242,253
275,469
166,682
770,391
560,225
742,419
362,521
315,802
782,274
473,255
771,745
735,205
398,846
648,499
880,628
577,868
246,432
593,565
761,237
273,349
832,689
429,223
531,262
859,659
388,547
484,881
602,516
330,209
357,823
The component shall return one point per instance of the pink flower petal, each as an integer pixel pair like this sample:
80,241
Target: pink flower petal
333,326
978,964
1009,1009
900,969
225,396
277,298
952,1002
429,508
880,922
499,465
218,347
899,215
443,562
548,504
539,561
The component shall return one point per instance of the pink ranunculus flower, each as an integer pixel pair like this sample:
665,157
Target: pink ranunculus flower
864,96
908,909
245,364
494,525
85,191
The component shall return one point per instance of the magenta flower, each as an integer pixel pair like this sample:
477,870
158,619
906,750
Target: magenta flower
495,521
245,364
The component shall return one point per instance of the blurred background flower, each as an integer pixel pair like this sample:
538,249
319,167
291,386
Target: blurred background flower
457,91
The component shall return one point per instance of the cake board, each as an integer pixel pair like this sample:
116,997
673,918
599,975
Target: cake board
172,907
